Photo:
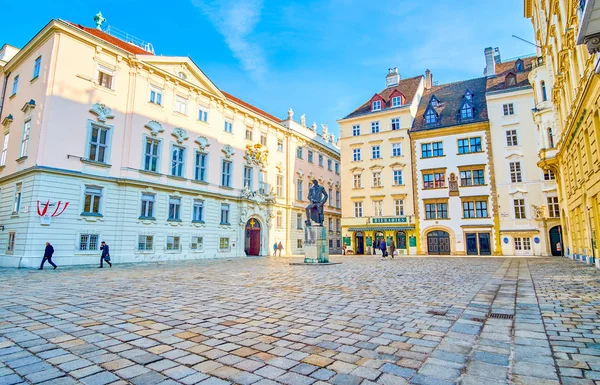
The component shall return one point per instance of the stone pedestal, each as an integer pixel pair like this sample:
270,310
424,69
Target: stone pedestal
316,245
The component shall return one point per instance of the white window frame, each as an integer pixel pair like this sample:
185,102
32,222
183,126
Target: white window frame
145,242
226,172
299,190
395,124
180,105
110,75
4,153
37,67
95,193
88,243
356,154
358,209
98,144
225,214
224,244
228,126
197,243
376,152
175,243
15,87
357,181
375,127
396,149
279,219
17,199
512,137
398,177
263,186
177,168
198,206
378,208
300,153
376,105
396,101
202,114
279,185
280,145
147,157
174,213
399,207
377,181
200,171
248,177
148,201
356,130
155,95
12,240
522,208
508,109
25,136
516,172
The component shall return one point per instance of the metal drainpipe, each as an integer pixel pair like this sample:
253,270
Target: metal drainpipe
3,93
288,209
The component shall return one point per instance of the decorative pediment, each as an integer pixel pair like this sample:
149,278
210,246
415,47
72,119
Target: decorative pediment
102,112
356,169
513,155
376,167
30,105
180,134
517,191
337,184
154,127
279,167
300,172
228,151
7,120
256,154
310,175
330,182
397,165
202,142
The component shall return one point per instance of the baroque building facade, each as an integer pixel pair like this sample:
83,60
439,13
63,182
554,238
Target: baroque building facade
105,141
566,76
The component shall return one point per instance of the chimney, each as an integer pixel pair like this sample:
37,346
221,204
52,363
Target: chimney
497,58
490,64
428,79
392,78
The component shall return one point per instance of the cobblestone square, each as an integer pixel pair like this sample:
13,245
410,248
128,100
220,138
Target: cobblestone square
261,321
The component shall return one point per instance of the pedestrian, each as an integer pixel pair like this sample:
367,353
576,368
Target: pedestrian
558,247
279,248
344,249
392,248
105,254
275,249
48,256
383,248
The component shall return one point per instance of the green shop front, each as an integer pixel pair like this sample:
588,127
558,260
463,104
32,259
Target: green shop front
366,239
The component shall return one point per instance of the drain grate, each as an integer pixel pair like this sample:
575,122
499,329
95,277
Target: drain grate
501,316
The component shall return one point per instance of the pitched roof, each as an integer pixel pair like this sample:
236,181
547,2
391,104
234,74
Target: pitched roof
408,87
498,82
131,48
250,107
450,97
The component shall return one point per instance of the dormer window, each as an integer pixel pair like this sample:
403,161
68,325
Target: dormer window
434,102
469,95
396,101
466,111
511,80
519,66
430,117
376,105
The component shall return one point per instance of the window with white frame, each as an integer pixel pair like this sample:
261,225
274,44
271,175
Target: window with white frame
436,210
37,67
398,177
181,75
263,186
248,133
511,138
151,154
105,77
337,168
25,138
395,124
173,243
4,150
98,146
396,101
280,145
376,105
376,152
357,181
147,205
330,197
431,117
10,246
330,225
515,172
145,242
358,209
197,242
198,211
263,139
356,130
320,160
91,203
223,244
399,207
177,160
508,109
549,175
299,189
200,165
226,173
337,199
356,154
225,213
553,207
522,244
374,127
377,179
469,145
88,242
475,209
202,115
300,153
299,243
310,156
279,219
519,205
248,171
15,87
396,149
279,185
174,208
228,126
181,105
337,225
299,221
329,165
156,95
378,208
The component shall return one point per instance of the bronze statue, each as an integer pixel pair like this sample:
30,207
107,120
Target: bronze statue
317,196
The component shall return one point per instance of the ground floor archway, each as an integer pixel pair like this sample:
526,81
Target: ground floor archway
253,237
438,243
556,246
401,240
359,242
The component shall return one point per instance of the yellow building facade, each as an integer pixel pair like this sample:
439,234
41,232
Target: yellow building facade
568,37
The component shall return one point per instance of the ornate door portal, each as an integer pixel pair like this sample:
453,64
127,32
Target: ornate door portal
252,243
438,243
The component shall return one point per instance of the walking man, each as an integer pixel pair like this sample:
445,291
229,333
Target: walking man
279,248
383,248
48,256
392,249
105,254
275,249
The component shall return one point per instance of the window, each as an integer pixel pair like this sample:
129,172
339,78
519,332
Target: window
155,95
105,78
224,213
374,127
223,243
357,181
263,187
91,203
300,153
151,155
299,243
248,133
280,185
330,225
181,75
248,177
377,105
228,127
356,130
299,189
376,152
279,219
200,166
399,207
395,124
4,150
329,164
177,159
522,244
427,181
88,242
11,241
511,80
197,242
515,172
430,117
279,145
202,115
397,177
337,168
468,95
468,209
311,156
98,144
519,65
549,175
436,210
434,180
438,149
25,138
550,138
469,145
320,160
145,242
553,207
543,89
475,209
330,196
466,112
226,173
426,150
337,225
180,105
377,179
15,85
396,101
508,109
36,67
198,211
17,201
173,243
358,209
511,138
519,205
299,221
337,198
396,149
147,210
472,178
263,141
356,154
174,208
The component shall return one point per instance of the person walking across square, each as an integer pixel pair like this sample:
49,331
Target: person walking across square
383,248
48,256
279,248
105,255
275,249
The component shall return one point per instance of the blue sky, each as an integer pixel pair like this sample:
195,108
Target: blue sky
322,58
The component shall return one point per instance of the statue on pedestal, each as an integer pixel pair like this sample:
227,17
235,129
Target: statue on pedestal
317,196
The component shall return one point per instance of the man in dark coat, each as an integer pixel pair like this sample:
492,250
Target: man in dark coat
48,256
383,248
105,254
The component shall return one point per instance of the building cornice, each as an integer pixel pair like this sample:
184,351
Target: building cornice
435,132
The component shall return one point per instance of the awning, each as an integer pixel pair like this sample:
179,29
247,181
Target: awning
382,228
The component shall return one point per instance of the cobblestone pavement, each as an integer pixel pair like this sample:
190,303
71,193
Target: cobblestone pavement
472,321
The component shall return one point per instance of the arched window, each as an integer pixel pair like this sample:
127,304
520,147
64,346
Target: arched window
182,76
543,87
430,117
550,138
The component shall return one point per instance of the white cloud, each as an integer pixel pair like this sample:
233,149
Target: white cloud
236,20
